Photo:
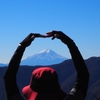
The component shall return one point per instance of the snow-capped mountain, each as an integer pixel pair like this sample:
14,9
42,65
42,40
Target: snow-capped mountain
45,57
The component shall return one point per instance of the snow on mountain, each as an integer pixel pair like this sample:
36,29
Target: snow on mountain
44,57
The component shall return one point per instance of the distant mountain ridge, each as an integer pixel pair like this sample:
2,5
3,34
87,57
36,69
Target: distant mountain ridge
66,73
1,64
44,57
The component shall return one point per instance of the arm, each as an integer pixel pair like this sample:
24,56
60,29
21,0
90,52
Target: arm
81,83
82,71
10,75
80,66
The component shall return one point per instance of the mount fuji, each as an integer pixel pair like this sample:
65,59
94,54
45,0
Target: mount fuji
45,57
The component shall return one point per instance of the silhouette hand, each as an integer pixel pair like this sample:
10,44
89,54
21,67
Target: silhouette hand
59,35
27,41
55,34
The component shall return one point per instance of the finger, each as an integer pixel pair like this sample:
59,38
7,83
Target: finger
53,38
39,35
43,36
49,34
36,34
32,37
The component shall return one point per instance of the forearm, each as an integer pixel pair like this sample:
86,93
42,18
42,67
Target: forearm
10,75
77,58
82,71
14,62
80,66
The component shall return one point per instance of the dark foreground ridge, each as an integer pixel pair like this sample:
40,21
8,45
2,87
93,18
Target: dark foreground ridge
66,73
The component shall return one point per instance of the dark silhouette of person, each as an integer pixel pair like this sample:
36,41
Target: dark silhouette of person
44,83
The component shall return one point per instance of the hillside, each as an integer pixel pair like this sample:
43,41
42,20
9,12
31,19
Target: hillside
66,74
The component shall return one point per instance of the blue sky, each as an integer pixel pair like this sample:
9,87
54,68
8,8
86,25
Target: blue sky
79,19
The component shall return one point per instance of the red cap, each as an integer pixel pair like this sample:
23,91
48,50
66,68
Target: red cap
44,85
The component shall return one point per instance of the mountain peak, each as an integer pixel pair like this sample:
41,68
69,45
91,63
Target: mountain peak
44,57
46,50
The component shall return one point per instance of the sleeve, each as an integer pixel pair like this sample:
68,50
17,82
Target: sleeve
82,80
10,75
75,94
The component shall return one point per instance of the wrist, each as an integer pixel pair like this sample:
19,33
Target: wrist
65,39
20,45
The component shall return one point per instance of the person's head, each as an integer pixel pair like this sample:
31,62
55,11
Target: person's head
44,85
